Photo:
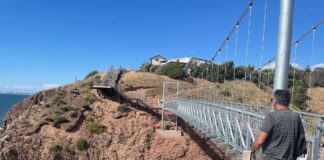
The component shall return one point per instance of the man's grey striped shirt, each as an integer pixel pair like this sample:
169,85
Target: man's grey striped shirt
282,127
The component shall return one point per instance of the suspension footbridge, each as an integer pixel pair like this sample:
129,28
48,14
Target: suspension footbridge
227,117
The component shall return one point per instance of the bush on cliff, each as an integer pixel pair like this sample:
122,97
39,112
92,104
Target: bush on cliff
173,70
55,149
122,107
81,144
94,127
91,74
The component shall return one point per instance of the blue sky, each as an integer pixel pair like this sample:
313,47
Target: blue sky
44,43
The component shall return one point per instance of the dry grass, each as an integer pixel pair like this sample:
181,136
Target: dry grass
246,92
317,99
150,85
142,80
237,91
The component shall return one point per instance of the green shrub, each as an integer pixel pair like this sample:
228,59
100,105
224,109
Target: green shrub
122,107
55,149
225,92
153,68
91,74
25,124
59,120
88,100
240,99
90,119
146,67
74,114
81,144
300,95
85,104
65,108
190,80
94,127
97,77
173,70
90,97
148,136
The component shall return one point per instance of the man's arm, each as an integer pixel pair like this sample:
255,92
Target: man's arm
262,137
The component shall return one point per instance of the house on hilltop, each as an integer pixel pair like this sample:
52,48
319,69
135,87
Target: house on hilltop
157,60
187,60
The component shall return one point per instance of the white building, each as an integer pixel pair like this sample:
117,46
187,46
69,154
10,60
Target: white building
187,60
157,60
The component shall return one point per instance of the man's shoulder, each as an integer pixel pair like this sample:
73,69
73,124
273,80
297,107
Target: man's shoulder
285,114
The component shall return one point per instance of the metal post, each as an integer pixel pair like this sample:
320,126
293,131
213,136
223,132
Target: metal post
284,44
176,128
163,100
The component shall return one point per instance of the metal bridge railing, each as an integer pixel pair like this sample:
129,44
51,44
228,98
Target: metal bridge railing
237,125
108,80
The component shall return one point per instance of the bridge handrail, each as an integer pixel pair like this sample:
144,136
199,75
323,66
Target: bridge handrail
229,108
313,123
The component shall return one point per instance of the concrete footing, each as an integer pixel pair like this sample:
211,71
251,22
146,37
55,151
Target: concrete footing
169,133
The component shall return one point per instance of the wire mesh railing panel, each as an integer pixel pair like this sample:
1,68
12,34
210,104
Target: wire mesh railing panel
238,124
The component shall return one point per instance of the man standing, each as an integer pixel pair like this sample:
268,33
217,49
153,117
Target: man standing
282,134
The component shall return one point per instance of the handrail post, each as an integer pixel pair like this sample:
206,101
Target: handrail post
318,139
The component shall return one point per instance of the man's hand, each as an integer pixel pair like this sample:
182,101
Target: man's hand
262,137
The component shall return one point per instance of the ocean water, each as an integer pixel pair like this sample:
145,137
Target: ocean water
6,102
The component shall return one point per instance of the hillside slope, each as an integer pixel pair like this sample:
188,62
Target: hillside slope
317,100
149,86
75,122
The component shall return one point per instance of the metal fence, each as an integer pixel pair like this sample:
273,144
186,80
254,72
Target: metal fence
108,79
237,125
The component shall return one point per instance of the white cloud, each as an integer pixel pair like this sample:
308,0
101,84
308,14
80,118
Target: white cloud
298,66
19,88
269,66
272,65
50,86
321,65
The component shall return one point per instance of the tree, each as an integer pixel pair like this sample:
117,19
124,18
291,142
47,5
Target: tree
146,67
173,70
240,72
91,74
300,94
318,77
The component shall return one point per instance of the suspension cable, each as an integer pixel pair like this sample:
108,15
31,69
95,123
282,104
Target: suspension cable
247,48
294,74
235,53
308,32
257,70
206,82
262,44
219,54
247,8
226,54
311,63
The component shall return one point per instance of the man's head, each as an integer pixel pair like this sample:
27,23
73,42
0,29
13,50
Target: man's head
281,98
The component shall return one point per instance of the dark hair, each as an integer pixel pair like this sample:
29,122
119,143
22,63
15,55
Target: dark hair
282,97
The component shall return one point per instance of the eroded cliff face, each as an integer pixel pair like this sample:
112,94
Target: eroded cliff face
76,122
